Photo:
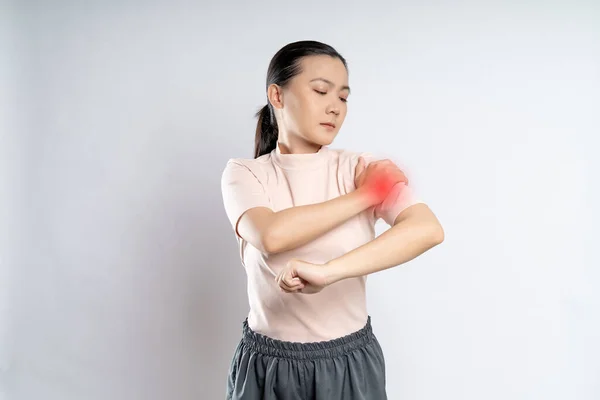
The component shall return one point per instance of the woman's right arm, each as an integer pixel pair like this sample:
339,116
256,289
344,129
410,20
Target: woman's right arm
247,206
276,232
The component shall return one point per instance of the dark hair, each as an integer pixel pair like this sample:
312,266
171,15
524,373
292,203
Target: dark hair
284,65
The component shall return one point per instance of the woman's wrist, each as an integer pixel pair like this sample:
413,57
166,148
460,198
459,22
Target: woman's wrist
333,272
367,196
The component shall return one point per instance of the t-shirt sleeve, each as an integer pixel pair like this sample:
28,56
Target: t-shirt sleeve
399,199
241,191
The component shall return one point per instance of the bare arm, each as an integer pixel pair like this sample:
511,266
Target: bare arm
276,232
415,231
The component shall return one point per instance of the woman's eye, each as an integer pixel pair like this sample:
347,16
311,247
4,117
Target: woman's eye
345,100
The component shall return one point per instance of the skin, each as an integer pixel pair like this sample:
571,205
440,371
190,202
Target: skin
319,95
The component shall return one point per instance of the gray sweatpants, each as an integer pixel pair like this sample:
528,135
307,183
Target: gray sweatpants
348,368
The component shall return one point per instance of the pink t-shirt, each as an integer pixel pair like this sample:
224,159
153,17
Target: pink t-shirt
279,181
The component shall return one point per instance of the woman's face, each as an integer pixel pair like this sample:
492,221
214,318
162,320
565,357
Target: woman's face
312,107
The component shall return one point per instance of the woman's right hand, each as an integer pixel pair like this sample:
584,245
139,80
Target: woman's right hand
378,178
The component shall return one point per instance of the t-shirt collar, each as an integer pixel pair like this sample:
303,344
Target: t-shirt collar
299,161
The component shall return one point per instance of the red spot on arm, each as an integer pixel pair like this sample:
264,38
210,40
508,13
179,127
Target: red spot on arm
382,184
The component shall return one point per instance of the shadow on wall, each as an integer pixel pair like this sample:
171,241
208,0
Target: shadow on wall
215,280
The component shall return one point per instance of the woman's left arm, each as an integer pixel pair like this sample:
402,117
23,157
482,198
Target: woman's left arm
414,231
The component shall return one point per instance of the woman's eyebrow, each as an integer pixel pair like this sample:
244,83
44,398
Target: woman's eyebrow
330,83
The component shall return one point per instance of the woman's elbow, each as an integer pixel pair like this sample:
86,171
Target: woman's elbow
271,243
436,234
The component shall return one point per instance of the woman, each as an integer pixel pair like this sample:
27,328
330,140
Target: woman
304,217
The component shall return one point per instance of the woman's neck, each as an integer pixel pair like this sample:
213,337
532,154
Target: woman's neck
297,146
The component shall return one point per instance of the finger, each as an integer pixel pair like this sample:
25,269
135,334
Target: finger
403,178
285,285
279,276
290,283
397,174
360,166
361,162
294,284
280,279
384,162
286,274
284,290
381,161
287,289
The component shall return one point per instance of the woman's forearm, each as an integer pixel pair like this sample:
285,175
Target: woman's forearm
296,226
399,244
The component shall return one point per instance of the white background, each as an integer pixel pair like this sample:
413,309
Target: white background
120,276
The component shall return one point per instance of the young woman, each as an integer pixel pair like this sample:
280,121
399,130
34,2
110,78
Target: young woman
304,217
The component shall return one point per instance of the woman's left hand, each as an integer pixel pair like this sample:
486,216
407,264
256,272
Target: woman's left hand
302,277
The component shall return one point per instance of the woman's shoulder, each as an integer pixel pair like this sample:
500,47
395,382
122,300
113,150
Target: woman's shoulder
346,160
249,163
239,168
350,156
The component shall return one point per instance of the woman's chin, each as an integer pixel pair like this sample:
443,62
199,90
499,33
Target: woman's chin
320,138
324,139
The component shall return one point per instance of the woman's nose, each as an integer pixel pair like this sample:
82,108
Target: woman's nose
333,109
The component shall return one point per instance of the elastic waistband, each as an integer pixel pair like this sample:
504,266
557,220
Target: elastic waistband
307,351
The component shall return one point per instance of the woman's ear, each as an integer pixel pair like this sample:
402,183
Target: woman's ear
275,95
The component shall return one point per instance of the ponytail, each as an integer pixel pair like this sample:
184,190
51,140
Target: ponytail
266,132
